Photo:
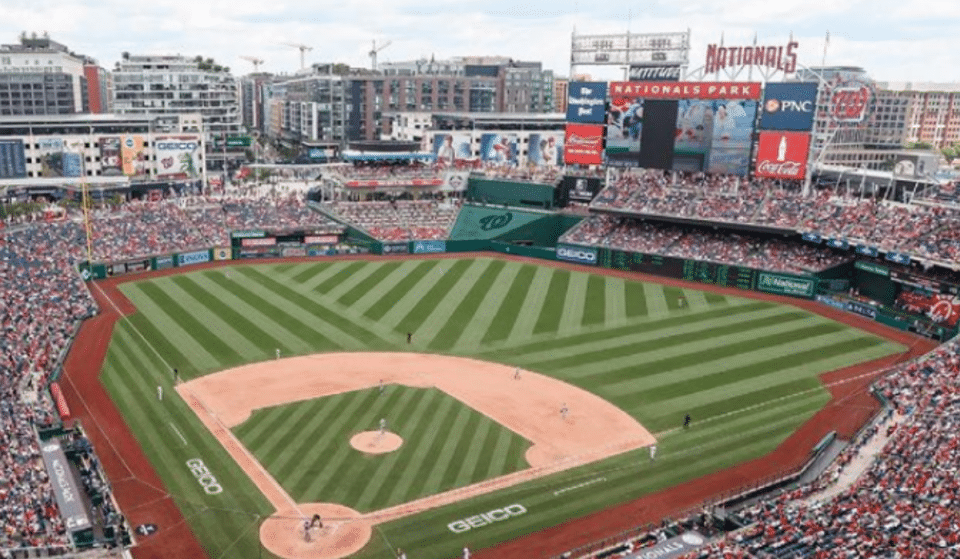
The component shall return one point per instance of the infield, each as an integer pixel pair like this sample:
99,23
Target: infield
745,369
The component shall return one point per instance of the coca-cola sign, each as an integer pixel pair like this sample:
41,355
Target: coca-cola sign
583,144
782,155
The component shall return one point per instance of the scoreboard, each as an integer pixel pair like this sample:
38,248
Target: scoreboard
702,272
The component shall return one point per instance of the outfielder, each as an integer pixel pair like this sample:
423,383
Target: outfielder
653,452
159,393
278,353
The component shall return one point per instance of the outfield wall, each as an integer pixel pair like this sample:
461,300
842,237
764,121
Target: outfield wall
256,244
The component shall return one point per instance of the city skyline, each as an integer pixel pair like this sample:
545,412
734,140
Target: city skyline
891,40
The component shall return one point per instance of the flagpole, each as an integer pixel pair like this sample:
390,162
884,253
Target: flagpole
826,41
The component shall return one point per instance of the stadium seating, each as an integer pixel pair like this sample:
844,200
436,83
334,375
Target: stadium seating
399,220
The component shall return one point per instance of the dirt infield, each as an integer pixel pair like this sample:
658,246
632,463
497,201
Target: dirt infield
566,425
143,499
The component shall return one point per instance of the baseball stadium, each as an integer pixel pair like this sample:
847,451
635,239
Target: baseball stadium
663,343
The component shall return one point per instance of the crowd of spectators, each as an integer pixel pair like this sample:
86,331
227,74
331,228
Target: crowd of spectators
400,220
539,174
905,503
925,229
401,174
634,235
42,304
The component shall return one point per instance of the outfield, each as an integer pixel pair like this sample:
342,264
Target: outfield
746,370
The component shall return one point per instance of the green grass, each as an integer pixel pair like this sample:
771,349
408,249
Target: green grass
745,370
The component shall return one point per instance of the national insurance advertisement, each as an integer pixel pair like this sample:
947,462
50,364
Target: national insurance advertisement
450,148
178,157
788,106
545,150
12,161
59,157
499,149
132,156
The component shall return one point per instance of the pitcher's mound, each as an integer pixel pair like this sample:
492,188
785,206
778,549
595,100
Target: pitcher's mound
343,532
374,442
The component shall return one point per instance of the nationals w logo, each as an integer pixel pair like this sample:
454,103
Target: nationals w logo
495,221
851,103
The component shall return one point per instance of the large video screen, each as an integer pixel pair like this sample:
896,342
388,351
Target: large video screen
682,126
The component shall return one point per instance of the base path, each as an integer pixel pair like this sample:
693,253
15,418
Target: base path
566,425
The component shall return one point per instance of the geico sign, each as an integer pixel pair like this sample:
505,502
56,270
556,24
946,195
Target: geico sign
204,477
167,146
577,254
486,518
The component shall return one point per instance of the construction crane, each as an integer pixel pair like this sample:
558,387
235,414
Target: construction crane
303,49
373,53
253,60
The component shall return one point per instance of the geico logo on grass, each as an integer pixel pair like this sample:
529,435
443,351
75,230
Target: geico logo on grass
204,477
486,518
577,254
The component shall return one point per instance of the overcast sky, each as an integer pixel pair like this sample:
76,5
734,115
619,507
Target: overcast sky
895,40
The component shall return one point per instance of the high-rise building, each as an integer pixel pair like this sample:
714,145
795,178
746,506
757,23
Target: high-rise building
40,76
934,111
167,87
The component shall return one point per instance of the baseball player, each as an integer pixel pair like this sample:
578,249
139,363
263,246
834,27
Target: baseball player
401,554
306,530
466,552
564,411
159,393
686,421
383,425
653,452
176,376
516,374
278,353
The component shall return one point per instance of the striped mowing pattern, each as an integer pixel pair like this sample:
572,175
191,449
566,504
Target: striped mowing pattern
629,342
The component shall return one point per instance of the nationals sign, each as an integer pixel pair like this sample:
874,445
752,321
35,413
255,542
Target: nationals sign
686,90
782,155
583,144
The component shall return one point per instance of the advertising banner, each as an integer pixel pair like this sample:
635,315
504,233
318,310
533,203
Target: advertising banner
163,262
838,243
670,548
247,234
862,309
914,165
782,155
293,251
12,160
544,149
625,127
424,247
656,73
499,149
222,253
789,106
134,160
581,189
58,159
583,144
188,258
832,302
868,251
785,285
261,242
898,258
321,239
450,148
586,102
686,90
396,248
111,161
66,489
320,250
578,254
872,268
178,157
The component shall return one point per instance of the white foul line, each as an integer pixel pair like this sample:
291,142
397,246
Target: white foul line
179,434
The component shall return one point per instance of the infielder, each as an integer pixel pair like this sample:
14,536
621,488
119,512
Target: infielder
383,425
516,374
653,452
564,411
278,353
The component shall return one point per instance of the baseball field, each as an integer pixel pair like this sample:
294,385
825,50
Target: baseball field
745,370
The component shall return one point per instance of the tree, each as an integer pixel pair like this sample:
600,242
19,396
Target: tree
919,145
951,152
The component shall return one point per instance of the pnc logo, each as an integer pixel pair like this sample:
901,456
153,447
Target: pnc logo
788,106
495,221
